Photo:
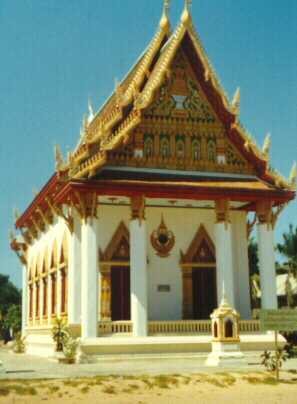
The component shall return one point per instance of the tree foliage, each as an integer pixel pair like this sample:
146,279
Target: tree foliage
253,257
10,307
9,294
288,248
13,318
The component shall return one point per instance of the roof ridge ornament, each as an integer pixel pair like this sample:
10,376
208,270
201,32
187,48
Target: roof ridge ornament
91,110
186,15
58,157
267,145
236,101
293,176
165,22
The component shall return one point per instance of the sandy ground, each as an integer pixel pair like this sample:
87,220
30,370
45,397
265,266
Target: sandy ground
30,380
200,388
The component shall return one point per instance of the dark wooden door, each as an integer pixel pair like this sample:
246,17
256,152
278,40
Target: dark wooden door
204,292
120,293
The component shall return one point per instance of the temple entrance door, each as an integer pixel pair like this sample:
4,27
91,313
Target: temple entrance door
204,292
120,293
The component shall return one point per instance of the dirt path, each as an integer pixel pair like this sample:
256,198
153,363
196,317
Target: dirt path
179,389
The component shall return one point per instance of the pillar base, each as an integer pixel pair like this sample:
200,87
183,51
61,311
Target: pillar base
226,355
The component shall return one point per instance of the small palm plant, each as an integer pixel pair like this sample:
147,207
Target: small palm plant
60,334
70,349
19,343
274,361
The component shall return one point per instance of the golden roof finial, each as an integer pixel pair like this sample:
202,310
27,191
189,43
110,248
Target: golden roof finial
267,145
293,176
236,101
186,15
164,22
58,157
11,235
91,110
16,213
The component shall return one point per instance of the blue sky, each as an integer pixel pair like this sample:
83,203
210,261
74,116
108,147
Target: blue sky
55,54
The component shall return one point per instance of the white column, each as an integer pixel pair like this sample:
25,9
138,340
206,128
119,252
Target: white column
49,299
34,303
59,293
267,266
138,272
89,278
74,273
41,300
25,300
241,264
224,256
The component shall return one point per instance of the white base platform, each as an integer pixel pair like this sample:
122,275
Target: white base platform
93,349
40,345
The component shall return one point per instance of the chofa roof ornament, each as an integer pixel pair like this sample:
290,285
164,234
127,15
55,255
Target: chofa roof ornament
165,22
267,145
236,102
186,15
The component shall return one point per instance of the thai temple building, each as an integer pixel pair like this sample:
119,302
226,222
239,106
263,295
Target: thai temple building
147,220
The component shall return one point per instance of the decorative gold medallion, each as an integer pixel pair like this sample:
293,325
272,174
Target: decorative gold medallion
162,240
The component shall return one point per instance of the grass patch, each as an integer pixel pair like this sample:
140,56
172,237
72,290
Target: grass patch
109,390
293,371
85,389
214,382
22,390
53,389
229,380
164,382
133,387
72,383
252,379
269,380
4,391
149,384
186,380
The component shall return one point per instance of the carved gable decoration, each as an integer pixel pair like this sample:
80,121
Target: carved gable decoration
234,158
118,248
181,95
162,240
201,250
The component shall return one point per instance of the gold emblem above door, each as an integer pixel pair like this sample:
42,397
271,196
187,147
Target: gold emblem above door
162,240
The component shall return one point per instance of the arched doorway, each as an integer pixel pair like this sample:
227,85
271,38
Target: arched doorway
199,277
115,277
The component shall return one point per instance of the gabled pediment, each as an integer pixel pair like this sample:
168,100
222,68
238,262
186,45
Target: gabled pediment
181,95
118,249
201,249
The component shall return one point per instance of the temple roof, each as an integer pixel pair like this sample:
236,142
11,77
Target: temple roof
113,125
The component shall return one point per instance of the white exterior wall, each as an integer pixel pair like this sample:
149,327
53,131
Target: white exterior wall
184,223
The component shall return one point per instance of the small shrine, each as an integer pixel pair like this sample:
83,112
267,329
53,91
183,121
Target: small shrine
225,336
